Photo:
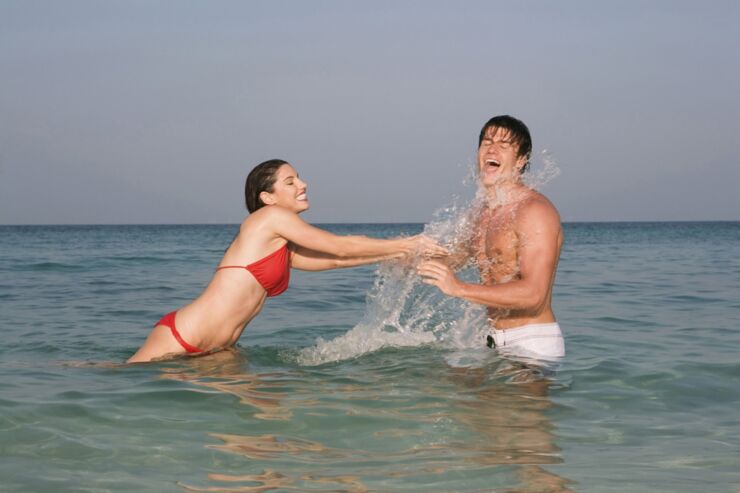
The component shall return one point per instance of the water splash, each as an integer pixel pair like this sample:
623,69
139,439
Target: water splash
543,169
401,311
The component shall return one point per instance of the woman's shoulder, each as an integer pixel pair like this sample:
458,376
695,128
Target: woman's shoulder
271,215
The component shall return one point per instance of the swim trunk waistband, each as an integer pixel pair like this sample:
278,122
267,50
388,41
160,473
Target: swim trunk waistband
540,339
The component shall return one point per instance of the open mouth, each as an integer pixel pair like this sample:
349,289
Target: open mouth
301,197
492,163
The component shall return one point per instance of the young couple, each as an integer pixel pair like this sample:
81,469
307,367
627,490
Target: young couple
516,242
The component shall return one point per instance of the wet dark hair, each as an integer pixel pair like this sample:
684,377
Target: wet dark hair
519,135
261,179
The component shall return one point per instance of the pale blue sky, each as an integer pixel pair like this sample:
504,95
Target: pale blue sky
154,112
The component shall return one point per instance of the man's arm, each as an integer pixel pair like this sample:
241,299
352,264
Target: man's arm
538,228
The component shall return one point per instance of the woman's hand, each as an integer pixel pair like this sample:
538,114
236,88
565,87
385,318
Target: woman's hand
436,273
426,247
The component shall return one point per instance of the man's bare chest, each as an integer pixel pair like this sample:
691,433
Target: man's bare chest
497,248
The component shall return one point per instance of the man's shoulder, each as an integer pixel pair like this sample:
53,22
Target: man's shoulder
537,208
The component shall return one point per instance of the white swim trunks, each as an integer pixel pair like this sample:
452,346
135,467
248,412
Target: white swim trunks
538,340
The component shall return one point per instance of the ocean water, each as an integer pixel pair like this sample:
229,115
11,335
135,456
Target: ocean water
363,380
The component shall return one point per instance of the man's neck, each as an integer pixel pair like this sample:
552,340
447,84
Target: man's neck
504,193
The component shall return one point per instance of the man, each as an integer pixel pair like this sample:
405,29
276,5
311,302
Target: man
515,240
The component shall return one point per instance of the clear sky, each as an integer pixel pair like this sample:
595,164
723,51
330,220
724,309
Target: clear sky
155,111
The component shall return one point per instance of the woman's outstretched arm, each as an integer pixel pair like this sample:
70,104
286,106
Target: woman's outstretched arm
311,260
291,227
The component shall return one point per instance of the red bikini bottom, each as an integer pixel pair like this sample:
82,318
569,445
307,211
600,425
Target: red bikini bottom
169,321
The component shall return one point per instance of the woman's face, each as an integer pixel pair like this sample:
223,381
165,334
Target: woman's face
289,191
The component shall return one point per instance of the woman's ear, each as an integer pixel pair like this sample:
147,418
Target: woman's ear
267,198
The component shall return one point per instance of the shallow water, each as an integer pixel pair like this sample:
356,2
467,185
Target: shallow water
646,398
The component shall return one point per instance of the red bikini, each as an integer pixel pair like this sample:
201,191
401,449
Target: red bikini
169,321
272,272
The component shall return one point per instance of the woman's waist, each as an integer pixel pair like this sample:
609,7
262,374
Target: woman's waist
215,325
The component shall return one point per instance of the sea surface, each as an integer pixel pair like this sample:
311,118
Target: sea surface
365,380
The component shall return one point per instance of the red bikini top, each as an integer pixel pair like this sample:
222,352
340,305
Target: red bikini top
272,271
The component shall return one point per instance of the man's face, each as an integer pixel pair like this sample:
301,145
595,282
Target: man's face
498,162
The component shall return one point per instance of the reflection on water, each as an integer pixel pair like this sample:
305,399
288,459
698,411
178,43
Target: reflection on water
509,414
225,372
270,480
457,429
266,446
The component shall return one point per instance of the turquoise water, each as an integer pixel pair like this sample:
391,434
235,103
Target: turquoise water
646,399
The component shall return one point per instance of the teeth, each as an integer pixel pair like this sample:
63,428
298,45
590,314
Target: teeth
301,197
493,162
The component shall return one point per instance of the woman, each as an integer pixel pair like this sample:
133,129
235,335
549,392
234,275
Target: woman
271,240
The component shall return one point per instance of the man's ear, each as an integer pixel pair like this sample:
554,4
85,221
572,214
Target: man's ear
267,198
520,163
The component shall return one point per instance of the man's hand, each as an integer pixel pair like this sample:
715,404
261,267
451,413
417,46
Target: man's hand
436,273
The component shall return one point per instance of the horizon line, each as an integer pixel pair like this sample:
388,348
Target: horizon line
601,221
